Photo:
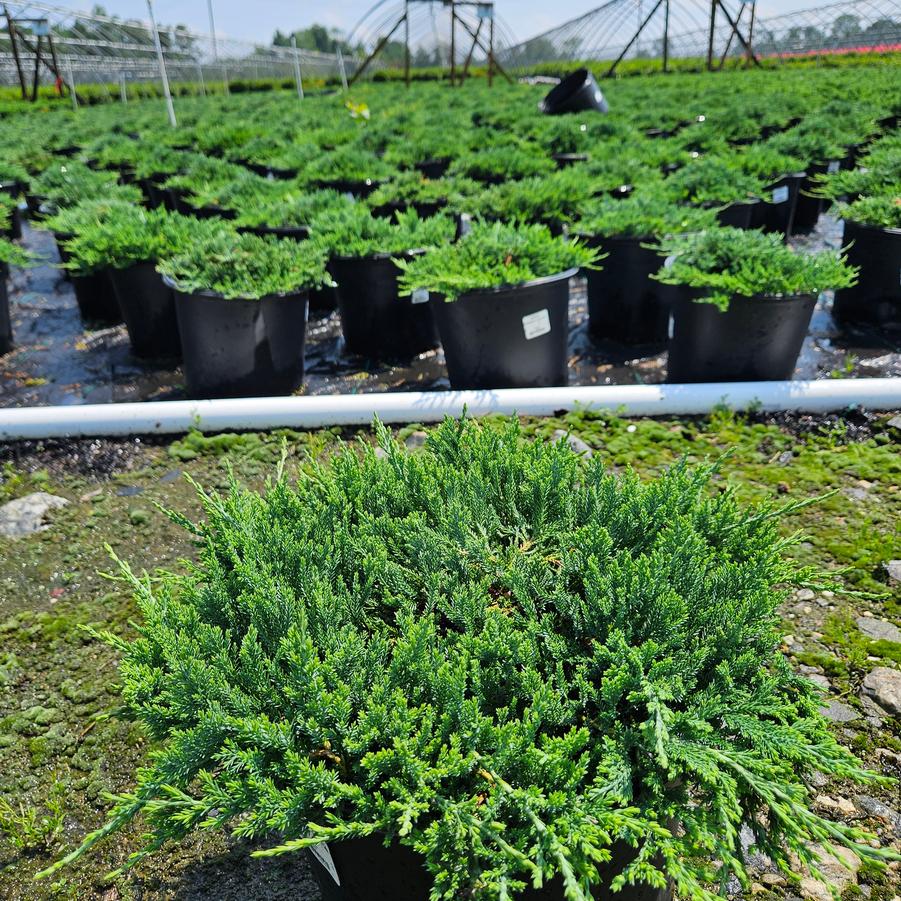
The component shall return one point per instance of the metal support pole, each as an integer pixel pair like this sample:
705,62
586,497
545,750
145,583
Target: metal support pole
37,69
159,55
123,89
200,79
710,34
298,81
750,52
666,37
225,83
453,46
209,4
407,42
737,31
735,27
341,69
11,27
635,37
72,90
491,50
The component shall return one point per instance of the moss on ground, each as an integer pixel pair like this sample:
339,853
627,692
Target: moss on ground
62,751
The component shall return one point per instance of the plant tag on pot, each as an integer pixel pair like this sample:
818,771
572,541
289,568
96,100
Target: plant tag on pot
780,195
832,168
323,855
420,295
536,324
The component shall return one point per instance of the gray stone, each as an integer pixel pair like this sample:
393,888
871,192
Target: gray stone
25,515
893,568
856,494
415,440
883,685
878,629
577,445
873,807
838,712
820,681
895,422
805,594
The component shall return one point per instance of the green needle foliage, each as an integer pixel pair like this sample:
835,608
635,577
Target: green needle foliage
712,180
494,652
68,183
881,211
13,255
245,266
290,206
645,214
493,256
724,262
353,231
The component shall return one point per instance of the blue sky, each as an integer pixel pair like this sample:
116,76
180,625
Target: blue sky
258,19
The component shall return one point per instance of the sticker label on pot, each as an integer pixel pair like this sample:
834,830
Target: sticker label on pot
536,324
780,195
832,168
323,855
420,295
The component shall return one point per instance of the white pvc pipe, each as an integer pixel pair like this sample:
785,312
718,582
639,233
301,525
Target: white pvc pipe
261,413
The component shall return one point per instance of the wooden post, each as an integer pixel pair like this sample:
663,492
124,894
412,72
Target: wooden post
466,65
635,37
37,69
750,51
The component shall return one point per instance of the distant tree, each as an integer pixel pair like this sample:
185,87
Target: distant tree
845,28
317,37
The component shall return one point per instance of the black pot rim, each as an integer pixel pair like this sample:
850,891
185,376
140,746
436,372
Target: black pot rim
215,295
374,257
779,298
873,228
565,275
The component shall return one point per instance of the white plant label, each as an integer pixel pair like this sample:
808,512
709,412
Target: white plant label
323,855
420,295
536,324
780,195
832,168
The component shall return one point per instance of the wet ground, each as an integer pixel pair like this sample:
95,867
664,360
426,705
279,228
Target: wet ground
57,361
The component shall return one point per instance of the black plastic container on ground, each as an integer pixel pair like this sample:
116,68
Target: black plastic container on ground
360,188
509,337
624,303
148,307
740,214
376,322
756,339
291,232
241,348
345,870
808,207
565,160
424,210
577,92
876,298
777,213
434,168
96,298
6,327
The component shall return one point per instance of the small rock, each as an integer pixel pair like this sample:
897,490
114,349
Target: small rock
846,807
805,594
170,476
878,629
838,712
785,458
415,440
772,879
576,444
893,567
873,807
25,515
820,681
97,492
381,453
129,491
895,422
857,494
838,870
883,685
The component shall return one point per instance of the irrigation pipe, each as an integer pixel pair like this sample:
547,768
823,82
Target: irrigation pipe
261,413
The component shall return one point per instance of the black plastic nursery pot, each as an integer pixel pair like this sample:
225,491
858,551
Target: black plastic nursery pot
434,168
509,337
148,308
61,238
96,297
777,213
876,298
740,214
6,327
565,160
376,322
363,869
241,348
289,232
424,209
624,303
755,339
808,207
577,92
360,188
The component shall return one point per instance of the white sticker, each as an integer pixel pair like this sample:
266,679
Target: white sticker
323,855
780,195
536,324
420,295
832,168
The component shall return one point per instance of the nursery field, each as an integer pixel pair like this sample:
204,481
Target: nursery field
61,751
213,240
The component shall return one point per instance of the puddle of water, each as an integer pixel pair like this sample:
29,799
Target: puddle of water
56,361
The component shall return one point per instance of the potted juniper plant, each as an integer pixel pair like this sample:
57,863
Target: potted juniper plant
542,680
241,303
873,237
625,304
501,301
128,241
350,170
783,174
413,191
10,255
365,252
746,303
